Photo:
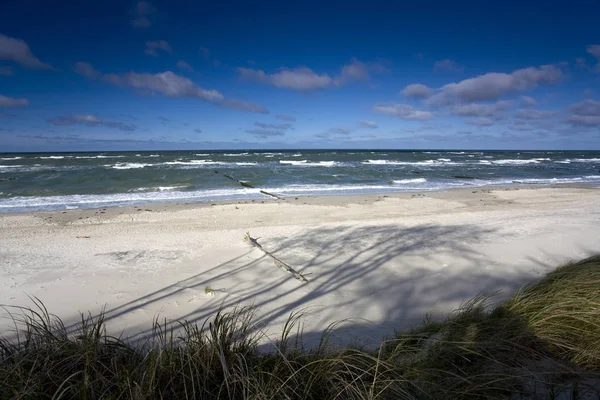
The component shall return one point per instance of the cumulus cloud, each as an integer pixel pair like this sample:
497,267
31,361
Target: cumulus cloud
152,47
417,91
17,51
285,117
183,65
448,65
87,70
168,84
296,79
6,101
282,127
264,129
403,111
198,130
481,110
305,79
527,101
533,114
265,133
91,120
340,131
142,13
594,50
243,106
6,71
585,113
492,85
480,122
368,124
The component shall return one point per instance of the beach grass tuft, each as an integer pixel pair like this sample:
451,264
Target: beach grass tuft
540,343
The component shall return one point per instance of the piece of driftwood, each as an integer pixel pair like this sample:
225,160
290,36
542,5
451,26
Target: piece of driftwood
244,184
247,184
271,194
280,264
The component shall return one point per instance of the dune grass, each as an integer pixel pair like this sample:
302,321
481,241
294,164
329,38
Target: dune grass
543,342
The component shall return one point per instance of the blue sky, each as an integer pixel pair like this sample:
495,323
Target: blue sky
119,75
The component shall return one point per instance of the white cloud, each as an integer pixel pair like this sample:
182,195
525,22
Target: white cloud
91,120
265,133
449,65
533,114
585,113
302,78
183,65
491,86
403,111
17,51
340,131
527,101
305,79
168,84
153,46
87,70
480,122
285,117
594,50
6,101
141,14
282,127
368,124
481,110
243,106
417,91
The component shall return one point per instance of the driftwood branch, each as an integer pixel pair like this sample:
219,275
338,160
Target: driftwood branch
247,185
280,264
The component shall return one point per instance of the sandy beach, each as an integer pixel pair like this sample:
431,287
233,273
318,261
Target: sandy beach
378,262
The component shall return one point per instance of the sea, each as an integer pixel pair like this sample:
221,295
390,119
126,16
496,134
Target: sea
62,181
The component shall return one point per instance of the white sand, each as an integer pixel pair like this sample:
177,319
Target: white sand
381,262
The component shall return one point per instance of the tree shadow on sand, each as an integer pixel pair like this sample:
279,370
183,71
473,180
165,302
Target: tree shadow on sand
381,277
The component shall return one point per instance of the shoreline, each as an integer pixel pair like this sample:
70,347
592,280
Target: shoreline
308,199
386,259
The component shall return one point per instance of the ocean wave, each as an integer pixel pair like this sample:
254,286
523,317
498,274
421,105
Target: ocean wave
16,204
98,156
245,164
235,154
428,163
157,188
10,158
408,181
202,154
197,162
515,162
129,165
587,160
52,157
11,166
309,164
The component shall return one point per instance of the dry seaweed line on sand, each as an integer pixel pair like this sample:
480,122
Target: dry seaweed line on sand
277,261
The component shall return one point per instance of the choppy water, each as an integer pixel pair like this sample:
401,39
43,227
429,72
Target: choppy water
38,181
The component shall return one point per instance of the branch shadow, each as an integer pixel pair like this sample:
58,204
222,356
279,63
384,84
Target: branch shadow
381,277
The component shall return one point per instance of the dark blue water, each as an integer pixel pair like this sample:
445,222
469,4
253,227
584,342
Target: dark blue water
86,180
